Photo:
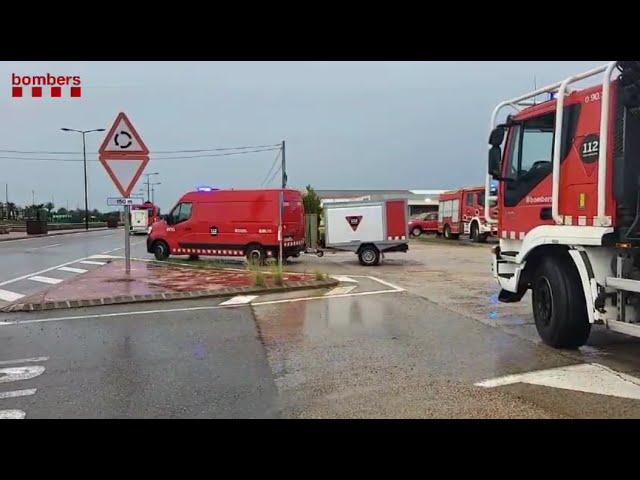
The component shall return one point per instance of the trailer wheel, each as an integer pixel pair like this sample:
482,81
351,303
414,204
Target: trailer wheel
255,255
320,253
161,250
416,232
369,256
559,307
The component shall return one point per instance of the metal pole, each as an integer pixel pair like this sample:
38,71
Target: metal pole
127,246
86,199
148,185
284,168
152,195
280,232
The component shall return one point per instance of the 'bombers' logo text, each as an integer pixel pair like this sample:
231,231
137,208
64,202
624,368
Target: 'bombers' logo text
55,86
540,199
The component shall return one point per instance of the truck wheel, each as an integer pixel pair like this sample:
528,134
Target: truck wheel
474,234
559,307
416,232
194,257
161,250
447,233
255,255
369,256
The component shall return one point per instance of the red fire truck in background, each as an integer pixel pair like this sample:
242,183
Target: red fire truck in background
569,204
462,212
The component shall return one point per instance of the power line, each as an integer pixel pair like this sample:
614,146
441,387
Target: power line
275,161
200,150
273,176
157,158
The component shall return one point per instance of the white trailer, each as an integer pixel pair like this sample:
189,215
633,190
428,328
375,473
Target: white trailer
139,221
368,228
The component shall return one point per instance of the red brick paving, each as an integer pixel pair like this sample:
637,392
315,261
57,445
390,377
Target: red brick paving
146,278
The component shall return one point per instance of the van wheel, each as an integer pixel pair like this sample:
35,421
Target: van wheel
161,250
559,307
369,256
194,257
255,255
416,232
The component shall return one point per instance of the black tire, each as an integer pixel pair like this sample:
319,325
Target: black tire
161,250
320,253
447,233
416,231
559,307
474,233
369,256
194,257
256,255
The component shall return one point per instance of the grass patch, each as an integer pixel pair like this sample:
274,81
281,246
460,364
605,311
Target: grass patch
258,278
320,276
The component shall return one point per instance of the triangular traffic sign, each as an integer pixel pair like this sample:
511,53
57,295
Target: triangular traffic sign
354,221
124,170
123,139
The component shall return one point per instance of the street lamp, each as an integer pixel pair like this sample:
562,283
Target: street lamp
152,192
84,154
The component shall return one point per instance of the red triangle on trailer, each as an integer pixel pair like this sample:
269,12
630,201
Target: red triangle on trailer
123,139
125,171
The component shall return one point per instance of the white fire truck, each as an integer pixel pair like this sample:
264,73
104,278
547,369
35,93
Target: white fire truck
569,203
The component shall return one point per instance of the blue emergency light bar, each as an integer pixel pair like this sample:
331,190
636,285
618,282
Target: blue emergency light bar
205,189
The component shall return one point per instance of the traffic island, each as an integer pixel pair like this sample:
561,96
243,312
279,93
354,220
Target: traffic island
161,281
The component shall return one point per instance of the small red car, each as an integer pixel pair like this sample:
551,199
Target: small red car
424,223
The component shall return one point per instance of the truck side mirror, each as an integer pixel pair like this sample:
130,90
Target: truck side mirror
497,136
495,162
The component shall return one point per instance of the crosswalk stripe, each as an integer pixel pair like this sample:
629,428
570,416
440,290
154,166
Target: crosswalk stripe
91,262
73,270
49,280
239,300
8,296
18,393
12,414
340,290
24,360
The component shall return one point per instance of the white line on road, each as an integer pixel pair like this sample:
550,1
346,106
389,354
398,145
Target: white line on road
190,309
12,414
103,256
343,278
240,300
585,377
18,393
47,246
8,296
92,262
24,360
13,374
73,270
49,280
340,290
6,282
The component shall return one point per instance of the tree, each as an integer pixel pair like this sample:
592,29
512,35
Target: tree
62,211
49,206
312,202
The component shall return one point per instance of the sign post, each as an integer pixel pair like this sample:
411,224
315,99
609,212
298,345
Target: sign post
280,230
124,156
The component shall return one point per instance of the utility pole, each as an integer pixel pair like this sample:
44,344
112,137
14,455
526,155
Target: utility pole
153,199
148,184
283,168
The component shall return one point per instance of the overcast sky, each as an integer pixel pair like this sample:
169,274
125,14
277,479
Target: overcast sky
378,125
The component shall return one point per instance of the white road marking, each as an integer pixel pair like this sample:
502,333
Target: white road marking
103,256
190,309
18,393
24,360
384,282
49,280
340,290
73,270
586,377
6,282
47,246
13,374
343,278
91,262
12,414
8,296
240,300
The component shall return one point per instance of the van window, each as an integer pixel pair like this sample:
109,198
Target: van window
181,212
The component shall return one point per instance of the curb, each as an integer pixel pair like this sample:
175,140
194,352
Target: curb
154,297
55,234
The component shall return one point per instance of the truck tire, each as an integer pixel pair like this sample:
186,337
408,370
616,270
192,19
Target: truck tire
369,256
559,307
447,233
416,231
161,250
255,255
474,233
